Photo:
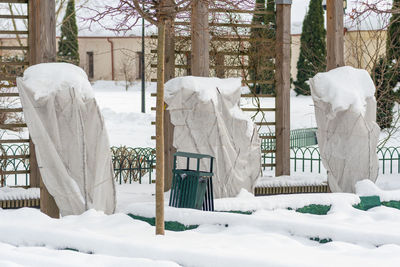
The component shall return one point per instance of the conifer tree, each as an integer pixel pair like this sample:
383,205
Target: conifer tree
393,42
386,73
261,58
384,76
393,33
312,57
68,50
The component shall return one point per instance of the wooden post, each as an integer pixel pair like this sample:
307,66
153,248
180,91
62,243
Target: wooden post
34,173
169,149
282,76
42,31
160,129
200,39
42,48
335,42
220,65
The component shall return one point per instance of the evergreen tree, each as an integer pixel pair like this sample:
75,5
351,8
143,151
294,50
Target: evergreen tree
386,73
312,57
261,57
68,45
393,33
393,41
384,76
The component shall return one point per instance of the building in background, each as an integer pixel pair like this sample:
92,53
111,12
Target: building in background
111,58
118,58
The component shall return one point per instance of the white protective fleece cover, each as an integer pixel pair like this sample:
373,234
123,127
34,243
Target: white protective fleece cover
70,137
208,120
345,111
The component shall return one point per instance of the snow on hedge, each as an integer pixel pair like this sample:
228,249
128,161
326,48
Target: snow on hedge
237,239
292,180
368,188
248,202
245,202
17,193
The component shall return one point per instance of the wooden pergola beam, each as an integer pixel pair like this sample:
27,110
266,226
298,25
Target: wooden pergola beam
42,49
335,33
200,37
282,76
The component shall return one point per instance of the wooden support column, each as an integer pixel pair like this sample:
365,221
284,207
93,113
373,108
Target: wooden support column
169,149
220,65
335,42
34,175
42,31
200,37
42,49
282,76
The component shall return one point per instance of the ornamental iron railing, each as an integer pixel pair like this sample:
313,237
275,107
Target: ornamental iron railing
298,138
135,164
130,164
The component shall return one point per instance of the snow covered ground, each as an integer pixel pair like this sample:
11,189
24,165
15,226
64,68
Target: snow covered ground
121,109
272,235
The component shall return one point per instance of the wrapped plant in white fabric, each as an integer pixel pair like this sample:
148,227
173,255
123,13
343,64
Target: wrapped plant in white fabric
71,141
208,120
345,111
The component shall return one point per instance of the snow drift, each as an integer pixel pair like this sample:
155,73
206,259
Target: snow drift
70,137
345,110
208,120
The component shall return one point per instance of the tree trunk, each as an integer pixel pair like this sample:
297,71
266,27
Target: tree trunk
160,130
169,149
334,27
200,63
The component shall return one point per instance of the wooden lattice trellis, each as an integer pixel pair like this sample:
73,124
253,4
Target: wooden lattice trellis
14,59
22,44
230,43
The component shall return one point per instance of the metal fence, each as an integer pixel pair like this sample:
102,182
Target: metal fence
134,164
308,159
14,157
130,164
302,159
389,158
298,138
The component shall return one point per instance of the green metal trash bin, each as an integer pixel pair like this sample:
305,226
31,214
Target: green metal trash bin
192,188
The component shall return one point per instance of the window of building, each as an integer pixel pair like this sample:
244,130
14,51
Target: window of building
90,64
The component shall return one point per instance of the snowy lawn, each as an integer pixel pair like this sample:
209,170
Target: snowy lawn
268,237
126,125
